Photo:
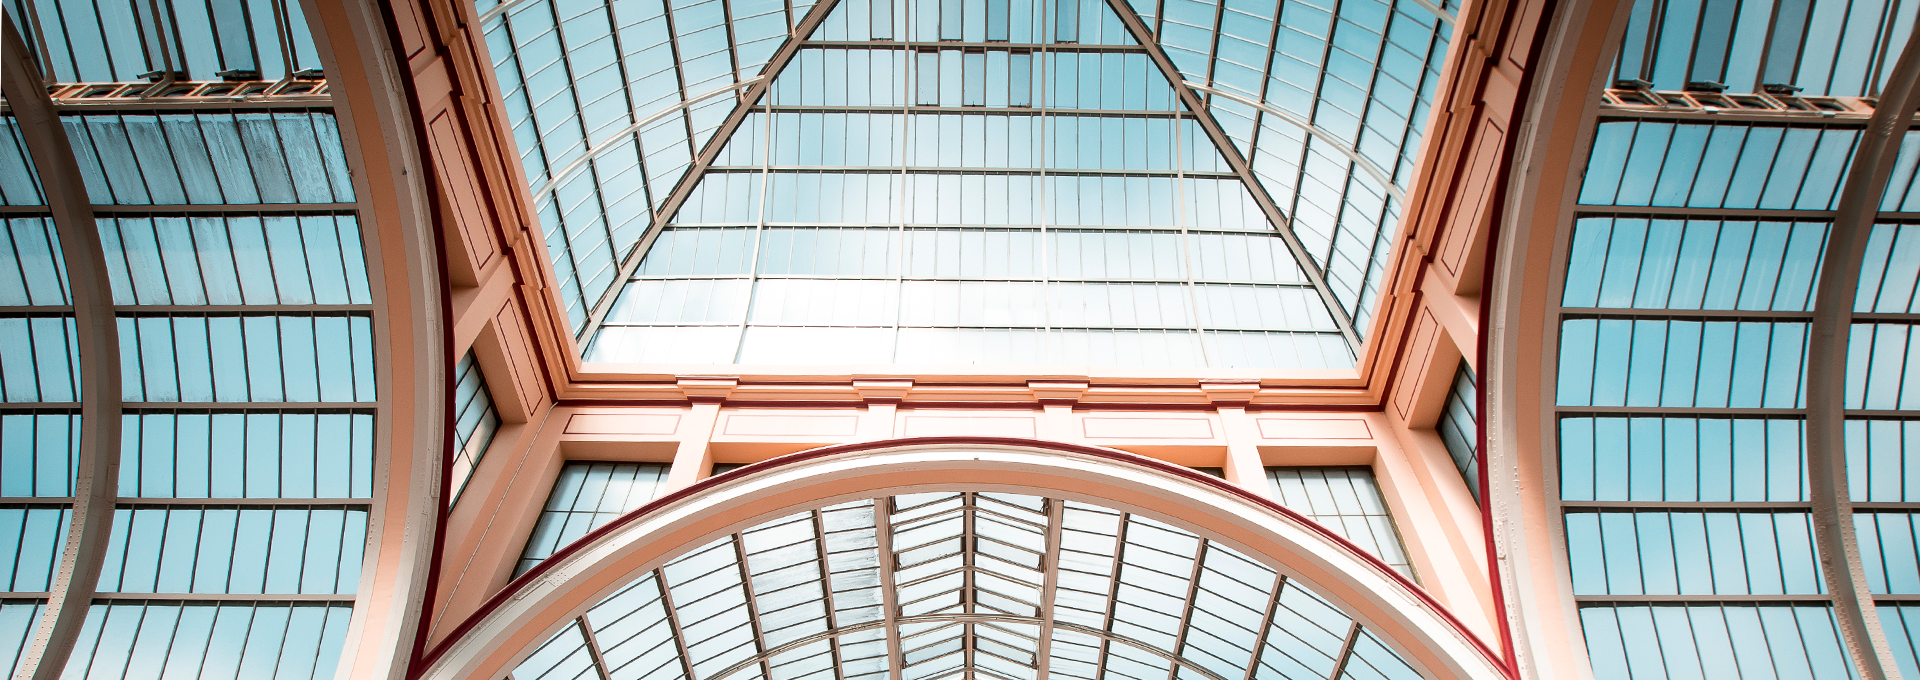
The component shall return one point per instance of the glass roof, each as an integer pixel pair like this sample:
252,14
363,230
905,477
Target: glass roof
1004,181
1686,443
977,585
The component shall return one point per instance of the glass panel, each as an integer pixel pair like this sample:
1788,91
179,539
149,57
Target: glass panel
288,454
1459,427
297,641
586,496
44,362
1681,363
1877,374
1717,165
1346,500
1655,458
108,42
1692,553
287,358
31,539
249,550
254,260
39,453
1746,641
474,422
210,158
1902,623
1888,552
1890,270
1372,660
1694,264
1879,469
17,622
32,271
1824,46
19,181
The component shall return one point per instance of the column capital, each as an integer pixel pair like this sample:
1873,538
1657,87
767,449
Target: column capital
882,391
1230,393
707,390
1057,392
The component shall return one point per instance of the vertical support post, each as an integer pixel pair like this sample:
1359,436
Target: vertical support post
1243,466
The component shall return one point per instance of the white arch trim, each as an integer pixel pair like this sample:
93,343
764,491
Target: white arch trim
535,606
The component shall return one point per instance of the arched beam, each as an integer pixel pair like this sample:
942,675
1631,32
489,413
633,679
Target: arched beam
1827,344
545,598
96,482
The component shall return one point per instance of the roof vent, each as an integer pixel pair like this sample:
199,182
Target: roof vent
1706,86
1781,89
238,74
1632,84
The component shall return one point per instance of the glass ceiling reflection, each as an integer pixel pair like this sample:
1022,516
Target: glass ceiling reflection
977,585
612,104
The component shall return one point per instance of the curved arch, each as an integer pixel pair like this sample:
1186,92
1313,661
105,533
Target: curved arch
603,562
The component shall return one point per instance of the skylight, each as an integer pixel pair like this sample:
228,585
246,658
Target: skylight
996,182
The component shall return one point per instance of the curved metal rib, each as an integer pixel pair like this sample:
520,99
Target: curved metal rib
1826,385
96,481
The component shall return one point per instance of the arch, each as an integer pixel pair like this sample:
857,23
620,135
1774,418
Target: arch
615,557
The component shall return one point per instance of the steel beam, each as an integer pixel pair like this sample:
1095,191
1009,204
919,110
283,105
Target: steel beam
1050,586
99,347
1266,624
1346,652
1826,377
593,647
889,594
1281,225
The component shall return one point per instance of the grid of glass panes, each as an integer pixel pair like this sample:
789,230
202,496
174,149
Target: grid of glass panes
1680,397
245,327
118,42
1883,434
39,383
609,102
1348,501
585,497
1134,596
1459,427
1327,101
1826,47
1014,188
474,422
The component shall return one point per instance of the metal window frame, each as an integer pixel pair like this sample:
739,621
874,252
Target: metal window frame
964,613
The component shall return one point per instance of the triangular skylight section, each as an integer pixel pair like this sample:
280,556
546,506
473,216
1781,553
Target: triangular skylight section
1012,183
